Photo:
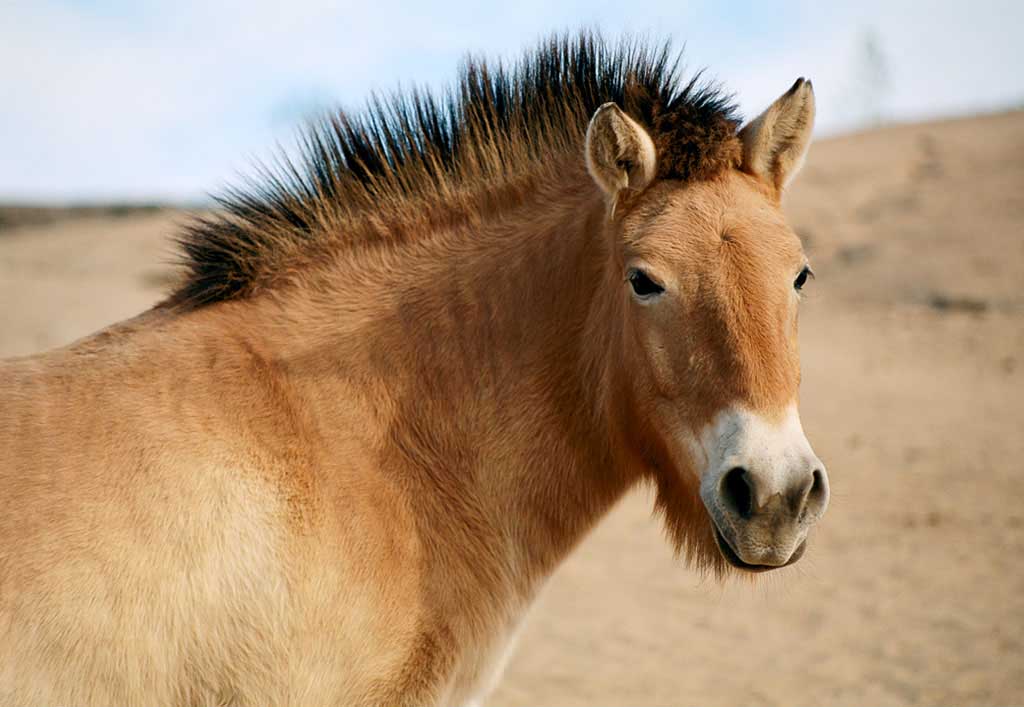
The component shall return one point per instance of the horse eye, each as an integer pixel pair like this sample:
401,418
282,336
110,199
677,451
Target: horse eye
644,286
801,279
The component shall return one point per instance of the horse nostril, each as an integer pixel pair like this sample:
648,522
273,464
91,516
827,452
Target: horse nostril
737,492
814,497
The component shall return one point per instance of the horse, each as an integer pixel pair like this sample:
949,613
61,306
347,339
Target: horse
402,375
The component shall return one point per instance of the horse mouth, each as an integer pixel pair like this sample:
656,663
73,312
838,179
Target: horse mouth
734,559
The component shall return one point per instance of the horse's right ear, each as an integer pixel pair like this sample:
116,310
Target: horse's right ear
620,154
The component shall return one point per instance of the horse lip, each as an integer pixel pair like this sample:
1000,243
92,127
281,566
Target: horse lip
733,558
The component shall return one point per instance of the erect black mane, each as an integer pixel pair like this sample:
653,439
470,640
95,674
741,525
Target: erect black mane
422,148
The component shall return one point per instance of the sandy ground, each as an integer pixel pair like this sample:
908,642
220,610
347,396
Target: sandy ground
912,591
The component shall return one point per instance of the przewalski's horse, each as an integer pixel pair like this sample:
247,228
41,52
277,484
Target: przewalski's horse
401,381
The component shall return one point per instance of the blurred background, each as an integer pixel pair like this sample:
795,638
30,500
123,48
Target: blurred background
117,116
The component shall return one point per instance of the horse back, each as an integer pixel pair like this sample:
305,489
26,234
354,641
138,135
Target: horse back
171,521
136,553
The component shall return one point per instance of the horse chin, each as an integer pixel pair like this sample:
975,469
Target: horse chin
733,558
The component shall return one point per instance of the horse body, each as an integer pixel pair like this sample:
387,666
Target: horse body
349,487
269,505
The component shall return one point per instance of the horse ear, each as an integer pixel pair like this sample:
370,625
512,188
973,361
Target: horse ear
775,143
620,154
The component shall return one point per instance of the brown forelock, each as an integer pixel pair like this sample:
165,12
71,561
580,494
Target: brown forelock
732,337
413,163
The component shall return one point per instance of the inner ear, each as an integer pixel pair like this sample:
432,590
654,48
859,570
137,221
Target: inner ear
776,142
620,153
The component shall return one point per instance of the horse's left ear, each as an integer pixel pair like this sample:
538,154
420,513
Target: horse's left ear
775,143
620,154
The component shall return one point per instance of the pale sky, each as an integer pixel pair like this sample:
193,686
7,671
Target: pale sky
137,100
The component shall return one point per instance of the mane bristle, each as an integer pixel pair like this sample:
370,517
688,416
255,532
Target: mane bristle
422,149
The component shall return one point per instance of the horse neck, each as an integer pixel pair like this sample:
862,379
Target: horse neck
554,392
494,346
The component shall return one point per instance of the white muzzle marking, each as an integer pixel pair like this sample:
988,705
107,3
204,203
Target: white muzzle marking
761,483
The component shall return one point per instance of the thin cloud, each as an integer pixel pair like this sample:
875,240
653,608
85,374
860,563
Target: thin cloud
116,99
